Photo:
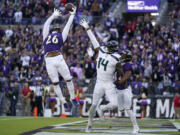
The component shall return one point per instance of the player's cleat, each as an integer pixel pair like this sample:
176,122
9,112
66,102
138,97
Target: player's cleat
66,106
136,130
88,129
75,102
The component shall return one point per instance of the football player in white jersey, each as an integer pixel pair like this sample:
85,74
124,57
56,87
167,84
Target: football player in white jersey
107,60
55,62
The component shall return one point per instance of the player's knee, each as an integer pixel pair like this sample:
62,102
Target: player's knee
55,83
113,106
94,106
69,80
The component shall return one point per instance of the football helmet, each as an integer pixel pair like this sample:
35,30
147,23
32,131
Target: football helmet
56,27
126,55
112,46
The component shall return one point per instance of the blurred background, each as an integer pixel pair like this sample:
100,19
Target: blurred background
149,28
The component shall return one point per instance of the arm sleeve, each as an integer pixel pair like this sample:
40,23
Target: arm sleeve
106,38
67,28
93,39
46,26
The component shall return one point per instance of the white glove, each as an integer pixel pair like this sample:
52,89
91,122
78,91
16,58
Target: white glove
84,23
90,52
74,11
56,13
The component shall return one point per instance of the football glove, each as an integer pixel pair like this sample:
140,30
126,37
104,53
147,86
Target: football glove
90,52
56,13
74,11
84,23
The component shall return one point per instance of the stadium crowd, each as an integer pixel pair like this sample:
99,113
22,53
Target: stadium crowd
34,11
155,49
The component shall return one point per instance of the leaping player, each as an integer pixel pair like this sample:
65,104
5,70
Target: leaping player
107,60
124,91
53,40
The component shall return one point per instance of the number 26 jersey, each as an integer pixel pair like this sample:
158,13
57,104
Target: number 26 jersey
106,65
53,42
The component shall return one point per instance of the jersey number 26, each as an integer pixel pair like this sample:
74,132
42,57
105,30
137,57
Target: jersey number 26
52,39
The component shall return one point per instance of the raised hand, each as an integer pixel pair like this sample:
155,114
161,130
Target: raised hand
74,11
56,13
84,23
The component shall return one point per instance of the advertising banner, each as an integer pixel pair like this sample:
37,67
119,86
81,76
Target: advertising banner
142,5
156,108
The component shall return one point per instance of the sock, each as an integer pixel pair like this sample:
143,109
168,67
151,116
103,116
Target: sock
58,92
132,117
91,114
70,87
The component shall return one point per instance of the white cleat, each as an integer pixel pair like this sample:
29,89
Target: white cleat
136,130
88,129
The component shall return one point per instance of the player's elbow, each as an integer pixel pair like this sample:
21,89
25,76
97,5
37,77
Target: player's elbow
64,36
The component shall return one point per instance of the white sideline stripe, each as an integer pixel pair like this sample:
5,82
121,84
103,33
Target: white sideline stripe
21,118
53,133
176,124
76,122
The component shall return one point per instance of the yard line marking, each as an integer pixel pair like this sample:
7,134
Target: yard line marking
76,122
176,124
19,118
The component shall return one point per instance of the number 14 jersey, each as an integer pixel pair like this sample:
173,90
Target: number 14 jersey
53,42
106,65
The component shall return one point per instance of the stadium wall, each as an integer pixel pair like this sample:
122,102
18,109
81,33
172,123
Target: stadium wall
157,107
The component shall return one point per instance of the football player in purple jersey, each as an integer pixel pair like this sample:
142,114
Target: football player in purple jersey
124,90
55,64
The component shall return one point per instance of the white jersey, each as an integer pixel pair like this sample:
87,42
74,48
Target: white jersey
106,64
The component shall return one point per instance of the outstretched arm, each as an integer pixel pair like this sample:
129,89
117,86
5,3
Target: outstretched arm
68,25
93,39
48,22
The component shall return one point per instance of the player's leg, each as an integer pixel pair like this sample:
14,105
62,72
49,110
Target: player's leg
127,106
97,95
53,75
65,73
120,99
112,96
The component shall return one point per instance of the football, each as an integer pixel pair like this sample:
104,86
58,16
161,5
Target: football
69,6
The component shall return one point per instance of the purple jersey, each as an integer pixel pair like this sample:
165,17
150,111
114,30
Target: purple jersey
125,67
53,42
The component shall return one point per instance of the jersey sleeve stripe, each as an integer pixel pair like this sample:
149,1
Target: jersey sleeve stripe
101,50
115,57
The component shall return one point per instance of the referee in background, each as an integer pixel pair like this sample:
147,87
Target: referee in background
39,90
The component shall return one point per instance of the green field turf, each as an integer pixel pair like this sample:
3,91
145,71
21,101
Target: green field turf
76,126
18,125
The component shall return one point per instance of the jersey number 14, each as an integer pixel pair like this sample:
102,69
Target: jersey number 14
103,62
